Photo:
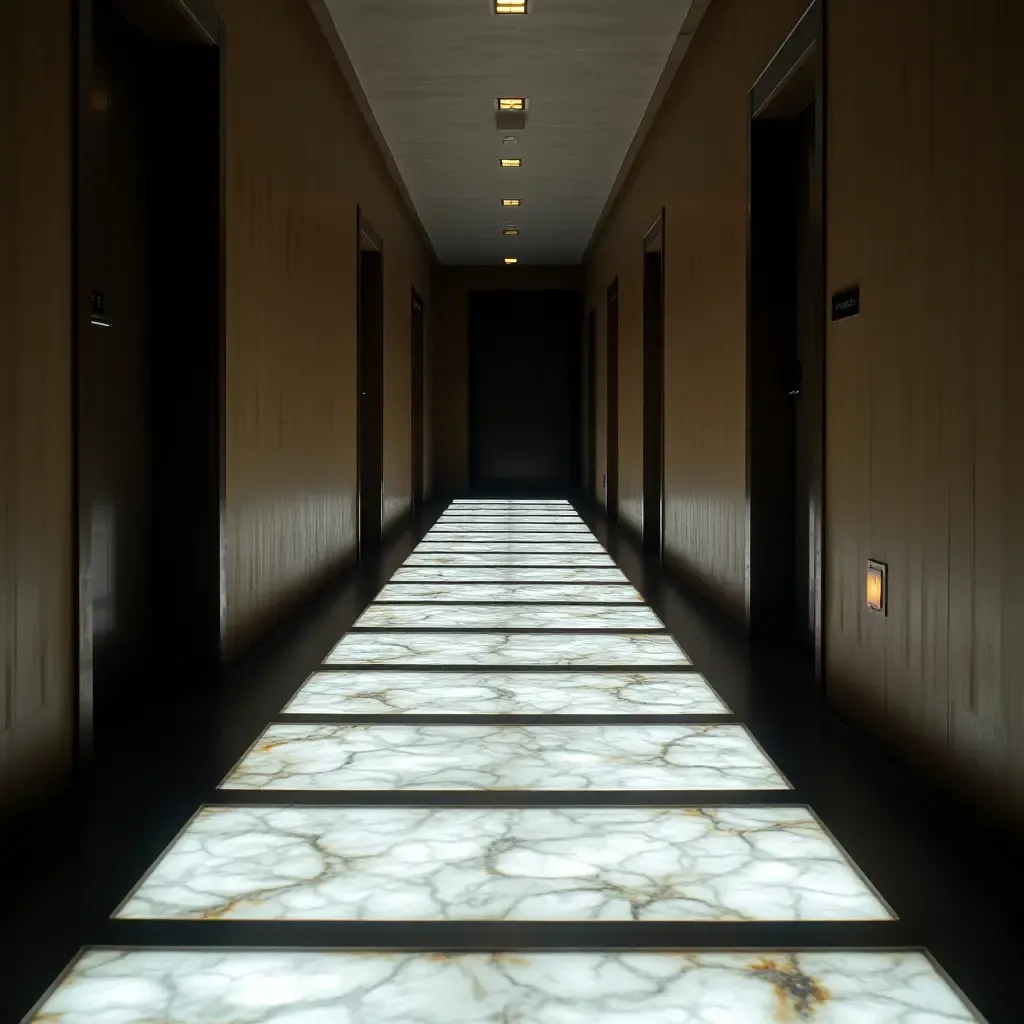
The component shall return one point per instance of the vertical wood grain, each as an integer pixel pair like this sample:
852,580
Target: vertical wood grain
694,163
924,422
36,698
300,158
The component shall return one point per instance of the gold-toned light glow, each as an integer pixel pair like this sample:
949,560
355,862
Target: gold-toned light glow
510,202
511,162
510,232
875,589
511,103
509,6
510,259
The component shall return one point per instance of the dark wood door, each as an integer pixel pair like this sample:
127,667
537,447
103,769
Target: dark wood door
612,405
370,315
418,426
590,485
653,390
525,391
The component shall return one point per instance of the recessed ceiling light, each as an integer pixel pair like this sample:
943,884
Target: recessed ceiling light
510,260
510,202
506,161
510,232
511,102
509,6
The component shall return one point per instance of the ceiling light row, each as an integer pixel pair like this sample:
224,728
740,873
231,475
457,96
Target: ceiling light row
513,103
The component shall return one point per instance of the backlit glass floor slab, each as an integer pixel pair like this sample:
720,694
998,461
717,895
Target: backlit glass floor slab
575,593
508,574
369,692
223,986
507,557
521,546
510,528
526,519
502,649
570,541
630,758
496,863
507,616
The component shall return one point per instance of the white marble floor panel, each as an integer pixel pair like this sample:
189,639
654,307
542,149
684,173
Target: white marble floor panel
507,616
506,649
519,546
575,593
508,574
507,557
294,863
370,692
459,526
628,758
529,522
223,986
471,536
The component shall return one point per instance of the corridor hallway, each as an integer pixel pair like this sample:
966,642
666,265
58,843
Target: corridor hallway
511,759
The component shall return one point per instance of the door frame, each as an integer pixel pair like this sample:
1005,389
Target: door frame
802,58
418,412
654,353
195,22
367,239
591,397
611,455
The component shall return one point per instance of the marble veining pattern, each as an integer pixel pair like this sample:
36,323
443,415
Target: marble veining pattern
307,756
568,541
508,574
492,864
509,616
516,547
369,692
572,529
507,557
576,593
588,649
139,986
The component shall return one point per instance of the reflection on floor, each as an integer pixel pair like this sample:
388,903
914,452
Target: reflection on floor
535,672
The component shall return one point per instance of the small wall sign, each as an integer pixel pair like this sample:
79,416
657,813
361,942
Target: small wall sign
846,303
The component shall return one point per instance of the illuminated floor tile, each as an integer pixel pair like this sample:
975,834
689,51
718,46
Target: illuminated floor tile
496,863
528,520
629,758
460,526
502,649
507,616
846,986
577,593
507,557
469,536
515,547
369,692
508,574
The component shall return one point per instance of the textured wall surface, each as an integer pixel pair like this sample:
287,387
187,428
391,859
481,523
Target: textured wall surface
694,163
300,159
925,424
36,615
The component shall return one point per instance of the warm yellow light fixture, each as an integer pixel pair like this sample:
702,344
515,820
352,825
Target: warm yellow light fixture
876,586
511,103
510,232
510,260
511,162
510,202
509,6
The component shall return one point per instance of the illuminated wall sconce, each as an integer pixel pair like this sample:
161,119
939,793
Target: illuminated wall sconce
877,586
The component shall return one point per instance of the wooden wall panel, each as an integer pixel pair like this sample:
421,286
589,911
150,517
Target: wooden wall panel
925,423
300,159
36,625
693,162
449,359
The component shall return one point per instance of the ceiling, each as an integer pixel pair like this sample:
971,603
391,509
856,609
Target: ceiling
431,71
